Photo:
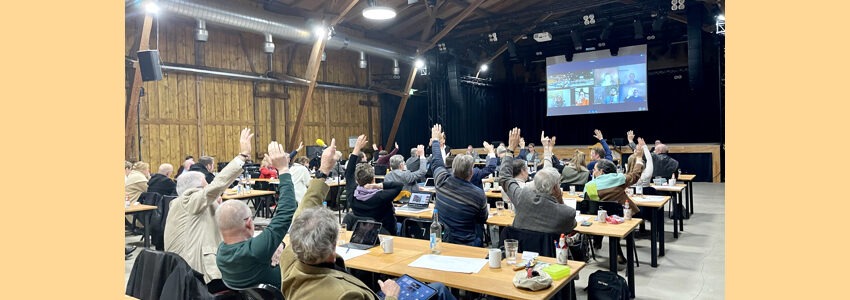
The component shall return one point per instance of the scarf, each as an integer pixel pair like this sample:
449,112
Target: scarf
364,194
605,181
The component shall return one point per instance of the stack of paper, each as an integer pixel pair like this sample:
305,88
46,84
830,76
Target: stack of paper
648,199
449,263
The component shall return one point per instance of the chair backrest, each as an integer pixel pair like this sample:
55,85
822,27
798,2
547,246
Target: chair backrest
155,199
342,199
163,208
591,207
262,186
531,240
153,272
261,292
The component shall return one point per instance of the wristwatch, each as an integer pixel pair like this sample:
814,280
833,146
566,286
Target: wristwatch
320,175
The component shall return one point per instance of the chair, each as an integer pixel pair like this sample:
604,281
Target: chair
566,187
157,237
165,275
342,202
262,204
261,292
155,199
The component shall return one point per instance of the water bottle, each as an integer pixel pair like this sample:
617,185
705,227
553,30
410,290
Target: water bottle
325,204
619,169
436,235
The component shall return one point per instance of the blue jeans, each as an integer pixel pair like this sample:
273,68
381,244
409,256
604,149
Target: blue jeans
443,292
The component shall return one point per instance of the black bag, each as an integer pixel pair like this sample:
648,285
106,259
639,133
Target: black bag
606,285
579,246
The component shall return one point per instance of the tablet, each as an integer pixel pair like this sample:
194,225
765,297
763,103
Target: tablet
412,289
429,182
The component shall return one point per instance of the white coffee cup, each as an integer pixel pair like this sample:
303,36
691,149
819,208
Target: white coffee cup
495,258
387,244
572,190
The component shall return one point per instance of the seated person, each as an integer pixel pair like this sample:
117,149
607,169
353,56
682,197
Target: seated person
190,230
572,173
136,181
646,175
665,166
267,170
205,165
540,207
310,267
478,174
399,172
187,163
245,260
471,152
367,198
519,172
596,153
300,176
161,182
462,205
338,169
382,160
412,163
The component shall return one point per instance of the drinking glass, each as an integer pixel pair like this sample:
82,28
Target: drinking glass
500,205
511,247
341,237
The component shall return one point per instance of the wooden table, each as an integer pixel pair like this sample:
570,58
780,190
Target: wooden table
495,282
656,226
614,232
689,181
678,214
146,211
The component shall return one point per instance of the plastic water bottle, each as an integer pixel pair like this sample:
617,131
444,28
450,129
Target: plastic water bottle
436,235
325,204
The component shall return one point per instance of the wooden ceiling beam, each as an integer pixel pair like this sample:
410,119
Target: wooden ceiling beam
400,111
344,12
451,24
311,75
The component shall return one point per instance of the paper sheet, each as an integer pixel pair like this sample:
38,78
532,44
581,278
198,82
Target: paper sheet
406,208
580,219
648,199
449,263
348,253
570,203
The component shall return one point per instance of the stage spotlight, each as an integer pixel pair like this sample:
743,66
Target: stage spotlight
441,47
319,31
484,68
151,7
492,37
638,29
419,63
576,40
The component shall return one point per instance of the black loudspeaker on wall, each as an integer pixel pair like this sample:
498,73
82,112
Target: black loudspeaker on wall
149,65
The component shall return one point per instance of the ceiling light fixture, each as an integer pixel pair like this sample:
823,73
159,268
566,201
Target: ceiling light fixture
378,12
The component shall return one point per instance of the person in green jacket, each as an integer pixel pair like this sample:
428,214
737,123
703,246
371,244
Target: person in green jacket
245,260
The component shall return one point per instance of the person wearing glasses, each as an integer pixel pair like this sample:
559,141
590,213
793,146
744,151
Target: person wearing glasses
190,230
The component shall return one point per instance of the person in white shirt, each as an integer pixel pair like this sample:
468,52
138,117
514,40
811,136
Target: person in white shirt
300,177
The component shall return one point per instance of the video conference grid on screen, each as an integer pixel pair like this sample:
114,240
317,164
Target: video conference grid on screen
596,82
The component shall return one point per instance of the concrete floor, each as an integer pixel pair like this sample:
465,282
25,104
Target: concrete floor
693,267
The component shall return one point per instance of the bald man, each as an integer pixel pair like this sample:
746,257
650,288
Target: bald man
663,164
161,182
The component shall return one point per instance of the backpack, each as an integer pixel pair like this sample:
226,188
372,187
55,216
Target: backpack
580,248
606,285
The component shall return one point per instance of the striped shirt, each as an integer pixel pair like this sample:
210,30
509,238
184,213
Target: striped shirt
462,206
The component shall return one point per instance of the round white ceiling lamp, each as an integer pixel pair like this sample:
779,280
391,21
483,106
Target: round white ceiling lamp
378,12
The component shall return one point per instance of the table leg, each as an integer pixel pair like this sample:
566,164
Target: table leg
675,216
148,229
681,212
660,232
572,290
691,195
653,238
687,204
613,247
630,262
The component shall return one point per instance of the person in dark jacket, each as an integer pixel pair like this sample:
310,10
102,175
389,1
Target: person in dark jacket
367,198
187,163
205,165
599,153
462,206
161,182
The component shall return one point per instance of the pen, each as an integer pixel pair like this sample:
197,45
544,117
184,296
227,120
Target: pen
347,248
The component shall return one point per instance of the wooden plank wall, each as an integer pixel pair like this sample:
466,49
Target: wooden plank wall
186,114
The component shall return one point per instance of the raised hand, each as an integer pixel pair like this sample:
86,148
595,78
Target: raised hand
630,136
396,145
279,158
436,132
641,143
328,160
513,138
521,143
361,142
489,147
544,140
374,147
245,142
300,146
597,134
420,150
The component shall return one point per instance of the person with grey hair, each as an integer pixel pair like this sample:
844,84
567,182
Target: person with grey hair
462,206
245,260
367,198
338,169
161,182
399,173
190,230
539,208
309,266
205,165
412,163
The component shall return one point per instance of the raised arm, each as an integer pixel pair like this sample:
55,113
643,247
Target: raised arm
630,136
318,189
492,161
598,134
438,167
646,175
265,244
635,173
509,185
227,175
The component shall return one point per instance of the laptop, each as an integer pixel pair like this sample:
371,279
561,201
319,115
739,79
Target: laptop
365,235
429,182
419,200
